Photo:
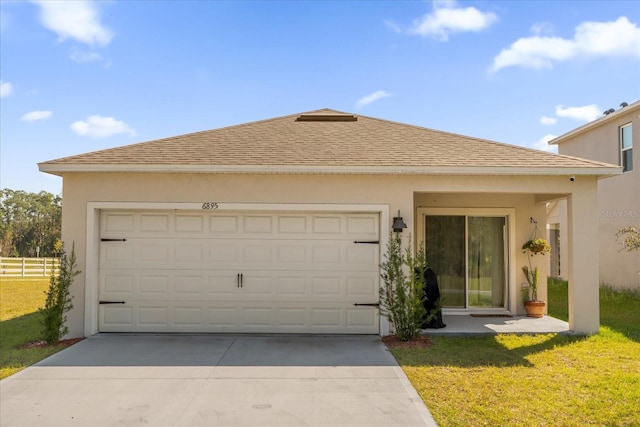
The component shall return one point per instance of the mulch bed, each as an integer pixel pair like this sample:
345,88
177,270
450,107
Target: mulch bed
422,341
43,344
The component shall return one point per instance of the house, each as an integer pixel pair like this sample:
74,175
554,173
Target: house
280,225
613,138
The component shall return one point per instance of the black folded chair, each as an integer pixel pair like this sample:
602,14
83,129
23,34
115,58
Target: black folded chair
432,302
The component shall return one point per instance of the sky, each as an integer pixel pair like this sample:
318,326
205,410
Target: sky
79,76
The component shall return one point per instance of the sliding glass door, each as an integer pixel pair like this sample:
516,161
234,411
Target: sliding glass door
469,255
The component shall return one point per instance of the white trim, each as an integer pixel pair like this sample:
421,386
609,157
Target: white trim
93,234
589,168
510,213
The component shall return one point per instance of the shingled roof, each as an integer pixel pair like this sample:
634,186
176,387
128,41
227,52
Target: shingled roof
326,141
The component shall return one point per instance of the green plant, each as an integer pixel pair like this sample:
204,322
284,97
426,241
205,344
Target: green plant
536,246
58,300
530,293
533,247
20,324
630,238
402,293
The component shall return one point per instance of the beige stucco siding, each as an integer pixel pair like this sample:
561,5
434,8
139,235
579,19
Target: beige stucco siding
404,193
618,196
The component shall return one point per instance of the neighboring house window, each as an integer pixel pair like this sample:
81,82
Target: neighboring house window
626,148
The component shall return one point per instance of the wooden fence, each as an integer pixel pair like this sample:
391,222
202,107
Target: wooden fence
29,266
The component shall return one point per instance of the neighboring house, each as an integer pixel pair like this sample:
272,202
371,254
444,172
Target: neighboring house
613,138
280,225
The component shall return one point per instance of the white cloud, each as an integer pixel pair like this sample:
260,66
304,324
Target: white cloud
542,28
82,56
36,115
5,89
543,144
548,121
448,18
77,20
372,98
101,127
586,113
591,39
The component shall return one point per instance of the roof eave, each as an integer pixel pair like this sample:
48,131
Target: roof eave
59,169
596,123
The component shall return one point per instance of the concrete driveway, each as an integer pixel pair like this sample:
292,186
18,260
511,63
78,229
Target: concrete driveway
205,380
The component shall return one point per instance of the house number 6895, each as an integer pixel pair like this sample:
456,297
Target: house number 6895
209,206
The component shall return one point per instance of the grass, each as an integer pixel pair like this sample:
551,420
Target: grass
20,299
539,380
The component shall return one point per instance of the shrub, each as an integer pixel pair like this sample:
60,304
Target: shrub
58,300
402,292
630,238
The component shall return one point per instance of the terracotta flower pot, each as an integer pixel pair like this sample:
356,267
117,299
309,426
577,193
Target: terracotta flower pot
534,308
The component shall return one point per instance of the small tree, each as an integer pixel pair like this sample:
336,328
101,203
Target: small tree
402,293
58,301
630,238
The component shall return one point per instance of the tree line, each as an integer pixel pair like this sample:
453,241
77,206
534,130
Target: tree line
30,224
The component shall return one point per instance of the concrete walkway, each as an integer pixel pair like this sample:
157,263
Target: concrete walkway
214,380
465,324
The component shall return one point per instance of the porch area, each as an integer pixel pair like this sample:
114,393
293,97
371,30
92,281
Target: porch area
465,324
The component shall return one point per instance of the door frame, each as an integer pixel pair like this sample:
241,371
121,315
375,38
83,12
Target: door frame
510,277
93,236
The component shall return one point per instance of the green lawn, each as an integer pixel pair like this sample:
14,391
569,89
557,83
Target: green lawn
20,299
541,380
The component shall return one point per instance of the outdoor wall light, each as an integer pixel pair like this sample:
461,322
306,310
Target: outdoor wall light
398,223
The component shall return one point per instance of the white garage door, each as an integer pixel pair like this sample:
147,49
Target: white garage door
273,272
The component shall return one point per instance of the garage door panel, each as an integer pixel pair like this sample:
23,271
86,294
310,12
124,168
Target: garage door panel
199,317
239,225
152,284
117,223
293,225
154,223
189,224
154,316
238,272
362,287
281,286
258,224
116,317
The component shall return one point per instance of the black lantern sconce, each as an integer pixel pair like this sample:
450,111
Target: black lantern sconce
398,224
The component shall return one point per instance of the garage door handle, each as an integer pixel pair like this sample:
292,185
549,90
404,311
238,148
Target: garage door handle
113,240
239,280
370,242
368,304
112,302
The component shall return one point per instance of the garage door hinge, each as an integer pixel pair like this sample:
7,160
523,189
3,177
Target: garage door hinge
370,242
368,304
113,240
112,302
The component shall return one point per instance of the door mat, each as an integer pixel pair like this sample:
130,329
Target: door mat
491,315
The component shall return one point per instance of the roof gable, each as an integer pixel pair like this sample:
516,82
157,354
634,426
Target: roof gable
324,141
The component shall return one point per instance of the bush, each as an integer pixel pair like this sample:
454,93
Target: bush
630,238
58,301
402,293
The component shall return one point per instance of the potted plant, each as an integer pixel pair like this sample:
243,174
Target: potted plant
532,305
